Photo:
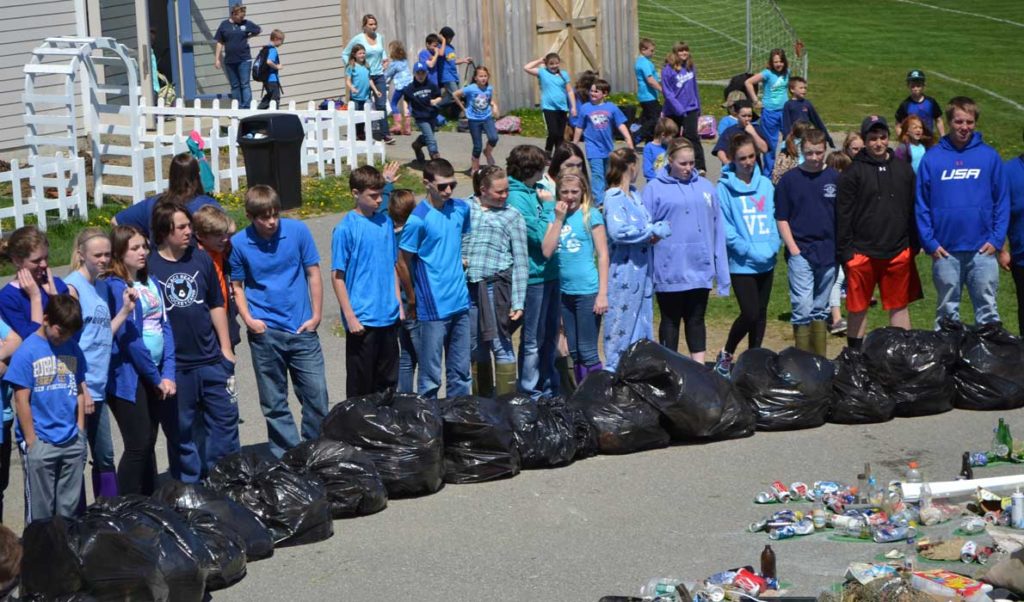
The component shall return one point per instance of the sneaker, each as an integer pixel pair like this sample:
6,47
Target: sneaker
389,140
838,328
417,147
723,364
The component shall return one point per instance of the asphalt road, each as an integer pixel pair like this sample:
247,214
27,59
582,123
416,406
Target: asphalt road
601,526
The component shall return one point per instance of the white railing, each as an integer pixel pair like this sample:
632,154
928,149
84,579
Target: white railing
330,138
61,176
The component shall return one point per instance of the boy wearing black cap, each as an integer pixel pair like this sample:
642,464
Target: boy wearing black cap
876,235
925,107
423,97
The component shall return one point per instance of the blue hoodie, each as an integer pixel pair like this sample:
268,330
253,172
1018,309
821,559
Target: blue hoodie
963,201
752,237
694,255
1013,169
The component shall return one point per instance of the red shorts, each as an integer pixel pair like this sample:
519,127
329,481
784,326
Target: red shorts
896,277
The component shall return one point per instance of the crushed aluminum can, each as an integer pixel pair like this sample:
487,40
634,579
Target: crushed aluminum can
780,491
782,533
984,554
750,582
798,490
978,459
722,578
758,526
804,527
710,593
972,525
827,487
968,552
764,497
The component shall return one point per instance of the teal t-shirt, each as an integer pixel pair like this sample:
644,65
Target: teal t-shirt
644,68
577,266
434,236
359,75
776,90
364,249
552,90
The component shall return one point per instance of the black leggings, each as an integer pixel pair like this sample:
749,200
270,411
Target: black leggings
1018,284
650,111
139,423
555,122
688,306
752,293
688,129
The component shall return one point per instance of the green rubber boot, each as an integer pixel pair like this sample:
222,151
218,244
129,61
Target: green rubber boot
819,337
802,337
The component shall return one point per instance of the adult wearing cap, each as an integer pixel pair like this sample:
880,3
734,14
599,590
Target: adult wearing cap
376,62
233,42
876,237
963,212
925,107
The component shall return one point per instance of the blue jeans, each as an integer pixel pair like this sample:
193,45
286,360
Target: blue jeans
427,136
582,326
771,123
980,273
537,373
809,290
476,131
275,355
597,167
238,77
480,350
202,389
101,445
380,103
448,339
406,358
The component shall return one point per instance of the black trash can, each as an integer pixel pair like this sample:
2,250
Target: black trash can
272,147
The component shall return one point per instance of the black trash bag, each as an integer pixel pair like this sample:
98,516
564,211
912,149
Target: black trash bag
623,421
122,540
479,444
857,398
789,390
49,567
291,506
401,433
544,430
194,496
75,597
695,402
915,367
226,548
353,485
989,371
587,444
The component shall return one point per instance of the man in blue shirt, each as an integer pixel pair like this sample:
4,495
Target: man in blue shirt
272,87
431,247
275,274
648,87
363,257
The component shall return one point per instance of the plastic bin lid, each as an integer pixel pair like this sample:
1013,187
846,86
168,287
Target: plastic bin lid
277,126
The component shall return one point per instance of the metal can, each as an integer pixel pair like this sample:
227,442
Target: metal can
782,532
710,593
978,459
827,487
758,526
749,582
798,490
804,527
722,578
984,554
841,521
969,552
972,525
992,517
780,491
764,497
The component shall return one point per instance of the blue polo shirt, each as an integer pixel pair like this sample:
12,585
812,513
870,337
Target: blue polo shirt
435,237
274,273
364,249
51,373
598,123
553,96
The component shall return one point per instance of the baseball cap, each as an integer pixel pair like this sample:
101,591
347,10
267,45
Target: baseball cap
873,122
420,66
915,75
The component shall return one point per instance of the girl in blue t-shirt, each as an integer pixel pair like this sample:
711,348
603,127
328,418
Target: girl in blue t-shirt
776,92
577,233
557,99
398,75
358,83
477,100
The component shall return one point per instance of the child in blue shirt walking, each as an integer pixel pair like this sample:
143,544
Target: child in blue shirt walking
477,100
272,87
358,84
776,84
648,86
557,99
397,74
597,119
654,151
578,234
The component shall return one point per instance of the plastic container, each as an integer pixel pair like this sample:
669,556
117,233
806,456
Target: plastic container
913,473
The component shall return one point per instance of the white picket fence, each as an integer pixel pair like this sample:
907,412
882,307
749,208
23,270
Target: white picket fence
330,139
62,174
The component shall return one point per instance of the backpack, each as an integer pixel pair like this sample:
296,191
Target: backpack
260,70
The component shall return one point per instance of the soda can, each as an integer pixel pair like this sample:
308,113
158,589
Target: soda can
804,527
771,582
798,490
992,517
972,525
841,521
978,459
984,554
780,491
758,526
749,582
782,532
722,578
711,593
764,497
969,552
827,487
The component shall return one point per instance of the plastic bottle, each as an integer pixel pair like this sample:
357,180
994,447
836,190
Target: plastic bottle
910,553
818,515
875,493
661,588
913,473
926,496
1017,510
768,563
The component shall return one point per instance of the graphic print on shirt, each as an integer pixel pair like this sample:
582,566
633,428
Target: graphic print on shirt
54,373
481,102
570,241
754,215
600,119
181,290
829,191
152,310
682,78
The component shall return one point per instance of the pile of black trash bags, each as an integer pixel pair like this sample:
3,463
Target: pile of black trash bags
189,539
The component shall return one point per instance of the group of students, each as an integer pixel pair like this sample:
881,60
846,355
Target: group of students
145,324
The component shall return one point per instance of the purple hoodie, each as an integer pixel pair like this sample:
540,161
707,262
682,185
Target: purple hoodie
695,254
680,90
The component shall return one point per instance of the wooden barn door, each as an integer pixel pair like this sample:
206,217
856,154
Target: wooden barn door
570,28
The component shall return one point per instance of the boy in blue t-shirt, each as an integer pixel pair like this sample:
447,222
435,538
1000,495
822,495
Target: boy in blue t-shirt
47,373
432,56
654,151
431,247
448,71
275,275
597,119
272,87
925,107
648,86
363,258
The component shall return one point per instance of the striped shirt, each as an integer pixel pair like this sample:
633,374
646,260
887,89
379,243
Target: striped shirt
496,243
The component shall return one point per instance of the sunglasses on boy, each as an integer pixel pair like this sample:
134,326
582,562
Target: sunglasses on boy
445,185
